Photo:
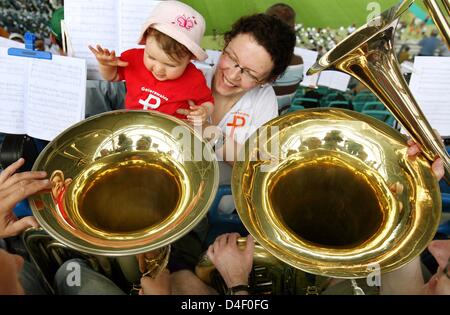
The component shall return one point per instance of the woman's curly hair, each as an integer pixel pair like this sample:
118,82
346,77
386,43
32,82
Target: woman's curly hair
277,38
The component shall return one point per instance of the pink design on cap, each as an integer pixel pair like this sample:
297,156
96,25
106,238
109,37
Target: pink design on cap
185,22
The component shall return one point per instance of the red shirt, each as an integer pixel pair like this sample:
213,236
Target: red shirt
144,91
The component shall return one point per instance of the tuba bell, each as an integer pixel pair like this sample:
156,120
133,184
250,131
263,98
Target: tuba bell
125,182
331,191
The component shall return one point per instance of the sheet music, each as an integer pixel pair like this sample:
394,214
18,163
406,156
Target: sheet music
13,75
132,15
309,58
334,80
56,96
90,23
4,42
431,88
41,97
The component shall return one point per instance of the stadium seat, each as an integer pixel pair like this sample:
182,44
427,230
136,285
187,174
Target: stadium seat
340,104
361,98
305,102
373,105
294,108
382,115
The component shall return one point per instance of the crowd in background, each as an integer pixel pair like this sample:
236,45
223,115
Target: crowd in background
20,16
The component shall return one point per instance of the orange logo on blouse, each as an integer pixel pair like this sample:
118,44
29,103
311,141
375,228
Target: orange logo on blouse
238,121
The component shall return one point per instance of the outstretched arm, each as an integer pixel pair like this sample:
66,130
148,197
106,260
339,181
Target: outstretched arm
108,63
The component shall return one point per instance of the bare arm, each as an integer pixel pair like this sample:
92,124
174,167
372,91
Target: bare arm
108,63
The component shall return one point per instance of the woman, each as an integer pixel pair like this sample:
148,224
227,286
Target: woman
257,50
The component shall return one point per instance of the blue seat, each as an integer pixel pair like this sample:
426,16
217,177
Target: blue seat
305,102
340,104
382,115
361,99
294,108
373,105
324,101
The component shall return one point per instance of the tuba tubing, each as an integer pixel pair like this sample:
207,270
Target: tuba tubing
368,55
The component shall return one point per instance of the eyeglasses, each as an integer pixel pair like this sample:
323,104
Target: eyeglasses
245,73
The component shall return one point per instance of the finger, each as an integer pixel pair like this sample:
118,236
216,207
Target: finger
113,54
122,63
413,150
107,52
26,177
17,192
183,111
7,172
195,113
232,239
438,168
191,103
93,50
250,246
196,122
21,225
216,245
222,240
100,49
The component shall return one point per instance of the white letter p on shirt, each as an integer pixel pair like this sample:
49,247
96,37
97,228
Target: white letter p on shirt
147,103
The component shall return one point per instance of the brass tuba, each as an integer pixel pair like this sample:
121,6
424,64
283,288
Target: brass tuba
331,191
368,55
125,182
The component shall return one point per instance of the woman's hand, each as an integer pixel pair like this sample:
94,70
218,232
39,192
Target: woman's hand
437,166
13,189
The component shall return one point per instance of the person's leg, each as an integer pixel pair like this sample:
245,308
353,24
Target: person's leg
75,277
186,251
185,282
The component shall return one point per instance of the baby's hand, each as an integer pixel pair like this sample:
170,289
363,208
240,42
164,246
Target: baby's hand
198,114
107,58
